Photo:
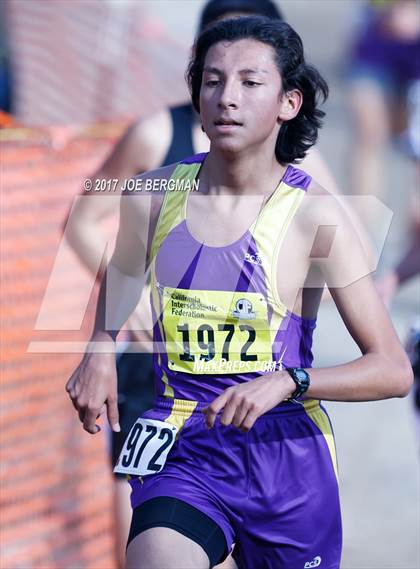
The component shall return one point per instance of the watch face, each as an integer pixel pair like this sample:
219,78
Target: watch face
301,375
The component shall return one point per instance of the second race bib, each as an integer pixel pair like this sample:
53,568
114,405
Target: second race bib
146,448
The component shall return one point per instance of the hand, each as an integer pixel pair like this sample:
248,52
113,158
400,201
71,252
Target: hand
243,404
93,389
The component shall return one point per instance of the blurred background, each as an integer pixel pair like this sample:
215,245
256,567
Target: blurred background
73,75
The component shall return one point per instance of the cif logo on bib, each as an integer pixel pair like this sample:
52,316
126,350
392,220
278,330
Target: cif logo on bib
316,562
244,310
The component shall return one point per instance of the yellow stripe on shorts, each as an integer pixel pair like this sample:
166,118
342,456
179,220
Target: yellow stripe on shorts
320,418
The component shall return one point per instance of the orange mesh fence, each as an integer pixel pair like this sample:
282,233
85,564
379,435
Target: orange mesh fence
55,481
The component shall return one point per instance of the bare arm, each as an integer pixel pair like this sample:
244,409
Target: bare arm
316,166
381,372
140,149
93,386
383,369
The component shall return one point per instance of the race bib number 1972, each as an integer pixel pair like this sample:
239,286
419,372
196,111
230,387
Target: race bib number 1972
204,330
146,448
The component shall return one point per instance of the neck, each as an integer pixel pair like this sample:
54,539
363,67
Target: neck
243,173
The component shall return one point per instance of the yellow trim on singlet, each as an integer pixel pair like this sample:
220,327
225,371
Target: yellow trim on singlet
169,391
277,214
173,211
181,411
275,219
320,418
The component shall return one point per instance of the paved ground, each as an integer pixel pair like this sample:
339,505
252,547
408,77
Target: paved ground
377,452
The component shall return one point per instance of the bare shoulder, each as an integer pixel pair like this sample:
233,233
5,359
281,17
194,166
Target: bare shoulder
163,173
335,245
142,185
147,141
320,207
142,197
316,166
149,127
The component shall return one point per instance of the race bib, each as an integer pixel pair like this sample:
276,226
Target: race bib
146,448
216,331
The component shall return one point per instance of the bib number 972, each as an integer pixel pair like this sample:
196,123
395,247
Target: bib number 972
146,448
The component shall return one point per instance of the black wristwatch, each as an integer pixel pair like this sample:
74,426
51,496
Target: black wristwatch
302,380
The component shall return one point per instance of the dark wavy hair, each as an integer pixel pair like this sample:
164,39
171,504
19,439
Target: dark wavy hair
216,9
299,134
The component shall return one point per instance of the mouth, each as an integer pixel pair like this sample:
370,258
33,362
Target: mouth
228,122
226,125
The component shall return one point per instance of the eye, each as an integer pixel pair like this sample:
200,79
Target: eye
212,82
250,83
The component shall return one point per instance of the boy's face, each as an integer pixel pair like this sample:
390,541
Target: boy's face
240,96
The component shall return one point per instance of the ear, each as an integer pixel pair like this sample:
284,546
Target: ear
290,105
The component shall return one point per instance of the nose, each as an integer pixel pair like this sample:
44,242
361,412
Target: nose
229,95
